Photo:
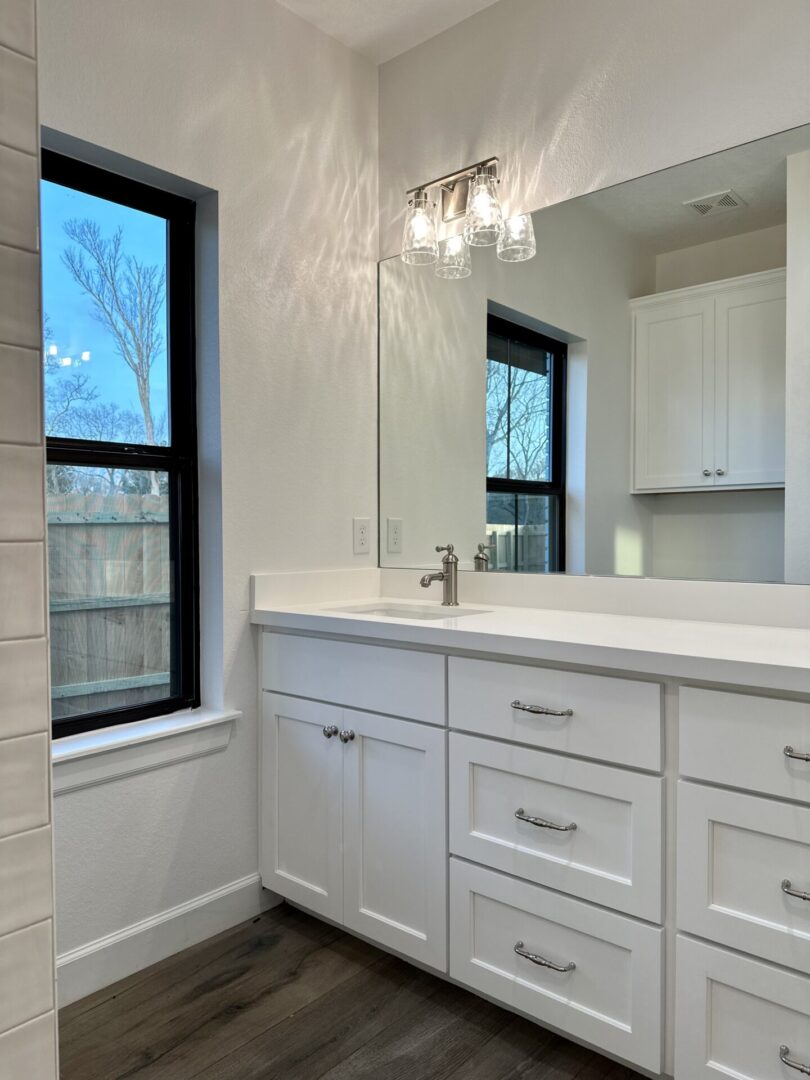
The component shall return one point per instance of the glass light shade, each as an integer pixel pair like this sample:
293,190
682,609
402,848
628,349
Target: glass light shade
454,258
483,224
517,244
419,246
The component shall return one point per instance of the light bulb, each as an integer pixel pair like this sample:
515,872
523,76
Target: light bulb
454,259
483,224
517,244
419,246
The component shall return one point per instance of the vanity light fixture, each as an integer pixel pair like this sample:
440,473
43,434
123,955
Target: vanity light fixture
454,258
517,243
419,246
471,193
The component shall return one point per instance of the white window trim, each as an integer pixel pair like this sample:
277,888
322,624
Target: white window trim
96,757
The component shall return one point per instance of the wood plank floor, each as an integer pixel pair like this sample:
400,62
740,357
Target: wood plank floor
286,997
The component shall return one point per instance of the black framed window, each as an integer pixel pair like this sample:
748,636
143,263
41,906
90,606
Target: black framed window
121,440
525,417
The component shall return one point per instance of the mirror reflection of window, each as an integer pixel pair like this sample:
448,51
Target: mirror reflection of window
525,418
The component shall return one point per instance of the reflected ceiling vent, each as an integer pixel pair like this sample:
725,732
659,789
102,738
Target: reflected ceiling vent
719,203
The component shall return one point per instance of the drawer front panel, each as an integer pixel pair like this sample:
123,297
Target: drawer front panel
612,719
613,856
610,998
733,1014
713,722
399,682
734,852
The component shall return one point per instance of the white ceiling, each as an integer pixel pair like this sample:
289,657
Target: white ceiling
651,208
382,29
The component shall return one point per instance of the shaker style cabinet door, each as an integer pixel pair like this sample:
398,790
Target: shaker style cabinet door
300,822
394,827
674,395
709,386
750,385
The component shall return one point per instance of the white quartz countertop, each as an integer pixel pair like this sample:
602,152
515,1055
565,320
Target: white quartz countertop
757,656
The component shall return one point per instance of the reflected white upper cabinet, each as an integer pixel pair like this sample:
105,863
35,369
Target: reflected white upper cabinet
709,386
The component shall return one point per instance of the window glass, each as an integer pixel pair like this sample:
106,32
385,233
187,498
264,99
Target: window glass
111,606
104,319
523,532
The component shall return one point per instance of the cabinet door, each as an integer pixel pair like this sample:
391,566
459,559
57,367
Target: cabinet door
301,829
394,818
674,395
750,385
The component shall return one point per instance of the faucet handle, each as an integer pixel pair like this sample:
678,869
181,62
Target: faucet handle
449,548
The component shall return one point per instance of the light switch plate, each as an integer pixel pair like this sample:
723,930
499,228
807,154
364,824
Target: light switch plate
394,530
362,536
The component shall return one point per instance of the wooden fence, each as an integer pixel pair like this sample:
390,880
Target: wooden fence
110,582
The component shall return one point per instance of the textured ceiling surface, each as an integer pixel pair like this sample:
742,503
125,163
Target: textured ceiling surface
651,208
382,29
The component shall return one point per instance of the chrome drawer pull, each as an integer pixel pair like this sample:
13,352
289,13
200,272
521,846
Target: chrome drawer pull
346,736
331,730
541,823
541,710
787,887
791,753
784,1051
541,960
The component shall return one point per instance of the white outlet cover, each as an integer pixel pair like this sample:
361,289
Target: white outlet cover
394,533
362,535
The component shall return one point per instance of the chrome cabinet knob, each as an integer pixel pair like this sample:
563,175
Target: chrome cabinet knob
720,472
707,472
346,736
330,730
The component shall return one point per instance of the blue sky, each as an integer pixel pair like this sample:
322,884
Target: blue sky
69,312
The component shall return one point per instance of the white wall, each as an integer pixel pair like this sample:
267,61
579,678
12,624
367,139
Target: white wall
745,253
797,465
575,96
280,121
27,1021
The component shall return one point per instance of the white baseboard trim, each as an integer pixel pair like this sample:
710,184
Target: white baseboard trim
107,959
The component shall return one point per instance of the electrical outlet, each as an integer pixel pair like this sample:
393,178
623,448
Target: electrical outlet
395,536
362,536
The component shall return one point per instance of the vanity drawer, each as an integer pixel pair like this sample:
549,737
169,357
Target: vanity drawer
612,857
398,682
740,740
611,719
733,1014
611,998
734,853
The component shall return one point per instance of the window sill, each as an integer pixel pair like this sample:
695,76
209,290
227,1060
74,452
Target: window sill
96,757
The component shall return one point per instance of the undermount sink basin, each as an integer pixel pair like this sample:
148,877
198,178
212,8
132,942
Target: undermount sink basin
408,611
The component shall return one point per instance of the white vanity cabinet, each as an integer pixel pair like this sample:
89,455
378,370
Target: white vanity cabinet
621,856
709,386
353,816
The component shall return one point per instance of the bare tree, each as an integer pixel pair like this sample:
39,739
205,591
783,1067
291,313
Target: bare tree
517,419
127,298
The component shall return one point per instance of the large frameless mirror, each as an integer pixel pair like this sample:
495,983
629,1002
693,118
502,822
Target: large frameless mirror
618,404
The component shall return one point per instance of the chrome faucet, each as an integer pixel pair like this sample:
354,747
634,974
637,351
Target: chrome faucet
448,575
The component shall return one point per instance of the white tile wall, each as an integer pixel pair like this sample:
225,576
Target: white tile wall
21,493
24,784
26,879
26,970
23,687
29,1050
27,990
20,396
